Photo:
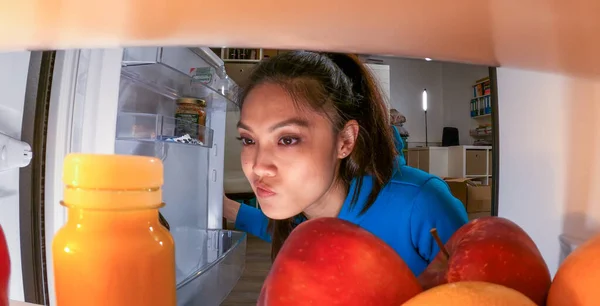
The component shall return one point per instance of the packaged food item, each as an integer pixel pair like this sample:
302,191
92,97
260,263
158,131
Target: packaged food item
113,250
203,75
4,269
191,118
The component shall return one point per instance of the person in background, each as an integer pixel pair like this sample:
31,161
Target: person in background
316,142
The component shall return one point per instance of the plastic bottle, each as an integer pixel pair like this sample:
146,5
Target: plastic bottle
113,250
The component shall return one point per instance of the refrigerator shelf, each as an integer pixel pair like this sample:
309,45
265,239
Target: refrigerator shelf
178,72
159,128
208,263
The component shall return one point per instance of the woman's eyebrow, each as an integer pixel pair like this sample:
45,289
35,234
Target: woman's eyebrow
292,121
241,125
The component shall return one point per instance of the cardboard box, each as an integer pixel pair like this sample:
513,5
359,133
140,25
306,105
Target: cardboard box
473,216
490,163
475,197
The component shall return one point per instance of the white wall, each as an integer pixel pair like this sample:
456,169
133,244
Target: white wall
382,74
457,81
13,78
449,94
408,78
549,156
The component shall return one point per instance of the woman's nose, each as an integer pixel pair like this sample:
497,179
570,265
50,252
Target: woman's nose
263,164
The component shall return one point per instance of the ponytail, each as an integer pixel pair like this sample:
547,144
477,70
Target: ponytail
374,152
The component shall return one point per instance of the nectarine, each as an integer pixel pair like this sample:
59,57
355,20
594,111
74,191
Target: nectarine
577,279
470,294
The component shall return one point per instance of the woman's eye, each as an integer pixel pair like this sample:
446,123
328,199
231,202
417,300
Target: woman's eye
288,141
246,141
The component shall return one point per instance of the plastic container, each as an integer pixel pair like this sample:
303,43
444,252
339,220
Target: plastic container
113,249
4,269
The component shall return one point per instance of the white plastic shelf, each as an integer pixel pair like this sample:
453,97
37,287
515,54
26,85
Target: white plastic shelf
158,128
169,71
209,263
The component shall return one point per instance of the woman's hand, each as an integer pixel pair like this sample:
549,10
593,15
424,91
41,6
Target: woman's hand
230,208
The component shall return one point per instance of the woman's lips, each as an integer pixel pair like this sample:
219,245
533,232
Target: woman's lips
264,192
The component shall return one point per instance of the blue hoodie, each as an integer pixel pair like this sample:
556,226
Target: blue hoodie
403,214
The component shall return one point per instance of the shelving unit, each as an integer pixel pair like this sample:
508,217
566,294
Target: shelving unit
470,162
481,111
433,160
482,116
481,102
242,55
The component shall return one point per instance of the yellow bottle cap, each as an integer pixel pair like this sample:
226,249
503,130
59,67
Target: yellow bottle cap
103,181
120,172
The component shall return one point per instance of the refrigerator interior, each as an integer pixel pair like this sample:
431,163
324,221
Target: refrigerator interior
209,261
122,101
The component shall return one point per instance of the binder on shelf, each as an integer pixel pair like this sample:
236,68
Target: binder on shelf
487,87
481,103
481,106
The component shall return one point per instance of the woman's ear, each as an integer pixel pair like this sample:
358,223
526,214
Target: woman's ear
347,139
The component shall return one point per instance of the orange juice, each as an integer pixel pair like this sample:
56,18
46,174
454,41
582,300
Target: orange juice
113,249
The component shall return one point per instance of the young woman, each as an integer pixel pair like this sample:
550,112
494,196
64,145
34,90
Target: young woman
317,143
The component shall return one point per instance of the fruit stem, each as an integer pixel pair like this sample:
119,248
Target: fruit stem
435,235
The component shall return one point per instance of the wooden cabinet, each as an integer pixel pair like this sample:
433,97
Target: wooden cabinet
433,160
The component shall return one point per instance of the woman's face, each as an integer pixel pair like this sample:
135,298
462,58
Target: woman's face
290,156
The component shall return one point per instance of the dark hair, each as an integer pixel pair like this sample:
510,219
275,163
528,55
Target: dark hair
341,87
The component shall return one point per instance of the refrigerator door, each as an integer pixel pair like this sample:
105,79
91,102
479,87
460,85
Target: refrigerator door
13,80
81,118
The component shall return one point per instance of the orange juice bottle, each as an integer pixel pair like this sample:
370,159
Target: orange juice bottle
113,250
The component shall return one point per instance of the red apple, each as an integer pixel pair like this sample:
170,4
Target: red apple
494,250
329,261
4,269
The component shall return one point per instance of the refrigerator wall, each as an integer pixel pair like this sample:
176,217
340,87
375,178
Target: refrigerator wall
13,78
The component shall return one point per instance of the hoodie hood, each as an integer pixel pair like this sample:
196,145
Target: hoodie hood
399,146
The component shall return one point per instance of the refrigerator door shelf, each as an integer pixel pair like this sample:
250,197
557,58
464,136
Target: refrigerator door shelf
159,128
179,58
179,72
568,244
13,153
208,264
